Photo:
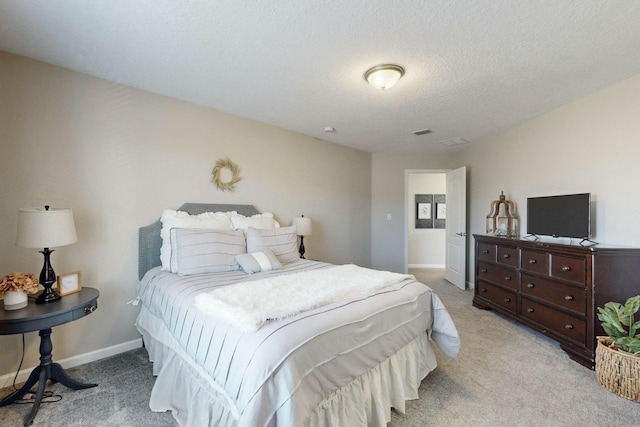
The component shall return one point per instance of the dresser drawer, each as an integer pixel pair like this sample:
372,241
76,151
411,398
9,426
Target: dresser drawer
536,262
507,255
486,252
571,327
498,296
567,296
568,268
502,275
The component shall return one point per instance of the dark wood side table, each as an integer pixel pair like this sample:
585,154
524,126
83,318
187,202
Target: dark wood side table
43,317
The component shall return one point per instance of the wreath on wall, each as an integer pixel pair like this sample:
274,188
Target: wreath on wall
225,174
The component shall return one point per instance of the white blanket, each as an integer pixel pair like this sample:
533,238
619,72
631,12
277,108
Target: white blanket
249,305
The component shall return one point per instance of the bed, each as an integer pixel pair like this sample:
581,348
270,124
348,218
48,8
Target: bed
341,362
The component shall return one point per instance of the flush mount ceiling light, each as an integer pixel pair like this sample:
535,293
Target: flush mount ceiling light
384,76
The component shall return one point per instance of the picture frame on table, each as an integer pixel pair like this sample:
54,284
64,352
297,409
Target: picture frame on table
69,283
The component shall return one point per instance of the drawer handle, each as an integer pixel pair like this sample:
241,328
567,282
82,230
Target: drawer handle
484,270
90,309
507,300
532,261
568,298
507,277
506,256
566,268
568,326
486,251
530,310
530,285
484,289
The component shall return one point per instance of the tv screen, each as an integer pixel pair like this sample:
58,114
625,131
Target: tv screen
560,216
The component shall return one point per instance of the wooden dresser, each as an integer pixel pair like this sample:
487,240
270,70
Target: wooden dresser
554,288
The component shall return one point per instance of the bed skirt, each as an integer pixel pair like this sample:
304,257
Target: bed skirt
195,400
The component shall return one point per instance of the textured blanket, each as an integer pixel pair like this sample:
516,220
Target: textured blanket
249,305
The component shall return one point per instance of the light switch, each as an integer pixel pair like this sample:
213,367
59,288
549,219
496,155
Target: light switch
388,217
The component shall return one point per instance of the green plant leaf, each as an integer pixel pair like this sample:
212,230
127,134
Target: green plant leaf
633,329
611,321
628,344
633,304
619,323
630,307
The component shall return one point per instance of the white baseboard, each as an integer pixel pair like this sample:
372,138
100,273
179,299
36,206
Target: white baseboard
70,362
426,265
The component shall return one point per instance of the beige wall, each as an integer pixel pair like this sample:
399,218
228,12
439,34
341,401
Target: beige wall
119,156
590,145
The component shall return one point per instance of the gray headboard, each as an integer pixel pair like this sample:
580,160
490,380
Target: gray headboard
149,242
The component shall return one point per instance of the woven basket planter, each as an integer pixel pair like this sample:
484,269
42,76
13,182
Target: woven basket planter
617,371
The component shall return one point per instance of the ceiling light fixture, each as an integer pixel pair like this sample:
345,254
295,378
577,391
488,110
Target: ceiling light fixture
384,76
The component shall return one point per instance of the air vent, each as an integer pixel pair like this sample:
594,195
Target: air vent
421,132
454,141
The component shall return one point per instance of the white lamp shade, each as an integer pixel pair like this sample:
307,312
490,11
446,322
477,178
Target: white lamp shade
41,228
304,226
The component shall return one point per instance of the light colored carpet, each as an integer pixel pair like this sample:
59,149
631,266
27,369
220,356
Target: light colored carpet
506,375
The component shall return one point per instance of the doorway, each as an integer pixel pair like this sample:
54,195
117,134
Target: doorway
425,238
449,214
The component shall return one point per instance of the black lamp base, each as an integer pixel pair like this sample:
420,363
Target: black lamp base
47,279
48,295
301,249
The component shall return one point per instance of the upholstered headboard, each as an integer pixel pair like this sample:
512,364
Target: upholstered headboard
149,242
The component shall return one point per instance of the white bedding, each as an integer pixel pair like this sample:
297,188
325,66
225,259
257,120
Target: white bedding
249,305
284,372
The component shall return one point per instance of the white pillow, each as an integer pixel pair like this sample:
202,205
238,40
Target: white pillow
180,219
256,262
263,221
283,242
201,251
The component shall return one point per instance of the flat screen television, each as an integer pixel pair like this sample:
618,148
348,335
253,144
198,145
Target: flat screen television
560,216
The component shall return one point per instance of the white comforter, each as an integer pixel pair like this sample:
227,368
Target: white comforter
287,367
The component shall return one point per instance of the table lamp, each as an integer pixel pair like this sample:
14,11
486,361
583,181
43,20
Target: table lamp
304,227
46,228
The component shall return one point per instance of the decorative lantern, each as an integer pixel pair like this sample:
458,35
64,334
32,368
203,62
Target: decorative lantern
502,219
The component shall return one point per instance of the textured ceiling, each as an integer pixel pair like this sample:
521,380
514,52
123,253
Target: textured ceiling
473,68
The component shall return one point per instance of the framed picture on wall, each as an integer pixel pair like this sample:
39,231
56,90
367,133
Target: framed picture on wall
424,210
440,202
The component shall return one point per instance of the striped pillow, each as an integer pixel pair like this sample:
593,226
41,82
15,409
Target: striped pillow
283,242
256,262
201,251
179,219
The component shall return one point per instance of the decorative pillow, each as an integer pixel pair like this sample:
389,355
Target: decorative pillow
256,262
261,221
179,219
207,251
283,242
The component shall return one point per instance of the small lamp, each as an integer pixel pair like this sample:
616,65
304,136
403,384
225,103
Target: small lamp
304,227
46,228
502,219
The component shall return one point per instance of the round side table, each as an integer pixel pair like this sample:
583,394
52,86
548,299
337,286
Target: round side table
43,317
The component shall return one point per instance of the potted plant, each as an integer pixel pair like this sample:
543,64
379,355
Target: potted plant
618,354
15,287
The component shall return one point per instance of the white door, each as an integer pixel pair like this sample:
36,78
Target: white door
456,238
